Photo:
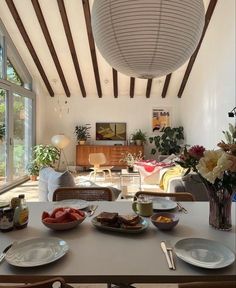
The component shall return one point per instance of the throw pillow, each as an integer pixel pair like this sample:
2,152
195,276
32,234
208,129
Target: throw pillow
58,180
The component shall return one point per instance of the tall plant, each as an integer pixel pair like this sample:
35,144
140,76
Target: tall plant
168,142
45,155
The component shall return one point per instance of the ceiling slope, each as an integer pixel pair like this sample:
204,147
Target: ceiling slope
59,38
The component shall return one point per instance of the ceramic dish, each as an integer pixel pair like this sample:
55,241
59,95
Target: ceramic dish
63,226
204,253
160,203
165,225
74,203
143,222
36,252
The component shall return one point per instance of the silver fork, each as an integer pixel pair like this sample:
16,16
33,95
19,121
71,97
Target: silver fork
181,208
91,209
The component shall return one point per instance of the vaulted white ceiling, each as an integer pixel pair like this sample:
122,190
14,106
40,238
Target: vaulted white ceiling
75,13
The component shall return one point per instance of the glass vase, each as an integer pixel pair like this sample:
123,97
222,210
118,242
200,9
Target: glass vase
220,201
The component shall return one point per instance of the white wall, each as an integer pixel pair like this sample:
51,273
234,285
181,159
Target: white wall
210,91
202,110
60,117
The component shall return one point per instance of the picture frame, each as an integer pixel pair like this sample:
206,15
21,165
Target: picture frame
161,118
114,131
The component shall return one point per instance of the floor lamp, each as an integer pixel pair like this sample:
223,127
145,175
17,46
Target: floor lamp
60,141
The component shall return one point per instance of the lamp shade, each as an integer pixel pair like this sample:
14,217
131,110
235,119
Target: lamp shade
147,38
60,141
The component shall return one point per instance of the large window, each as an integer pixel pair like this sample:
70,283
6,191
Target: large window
16,114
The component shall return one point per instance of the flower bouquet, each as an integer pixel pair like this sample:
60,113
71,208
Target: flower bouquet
129,159
217,169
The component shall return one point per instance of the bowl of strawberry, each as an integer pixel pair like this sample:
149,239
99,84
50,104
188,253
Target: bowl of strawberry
63,218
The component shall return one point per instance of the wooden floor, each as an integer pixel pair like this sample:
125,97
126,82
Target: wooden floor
129,186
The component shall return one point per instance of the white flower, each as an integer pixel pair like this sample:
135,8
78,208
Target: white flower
213,165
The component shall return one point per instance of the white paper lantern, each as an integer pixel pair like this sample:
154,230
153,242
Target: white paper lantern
147,38
60,141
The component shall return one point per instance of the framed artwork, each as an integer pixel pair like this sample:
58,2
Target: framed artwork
111,131
160,118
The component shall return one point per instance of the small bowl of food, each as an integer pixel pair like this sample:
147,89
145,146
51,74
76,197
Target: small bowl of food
63,218
164,220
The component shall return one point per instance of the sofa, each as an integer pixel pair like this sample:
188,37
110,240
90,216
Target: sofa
170,177
50,180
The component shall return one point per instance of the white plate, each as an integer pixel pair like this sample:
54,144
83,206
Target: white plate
36,252
160,203
204,253
75,203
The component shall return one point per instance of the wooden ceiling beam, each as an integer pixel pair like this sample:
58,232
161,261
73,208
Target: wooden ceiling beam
166,85
132,84
70,41
115,82
29,45
51,48
149,88
87,16
209,13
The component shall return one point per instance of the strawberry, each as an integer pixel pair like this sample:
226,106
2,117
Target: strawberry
56,210
81,213
61,216
45,215
75,216
49,220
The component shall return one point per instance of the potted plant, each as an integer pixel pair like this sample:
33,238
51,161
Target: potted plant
45,155
129,159
139,137
2,131
82,133
33,170
168,142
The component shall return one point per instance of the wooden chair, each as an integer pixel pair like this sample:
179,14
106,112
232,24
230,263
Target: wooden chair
84,193
98,159
219,284
178,196
42,284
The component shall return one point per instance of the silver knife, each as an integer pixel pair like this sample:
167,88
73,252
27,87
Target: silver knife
93,210
163,247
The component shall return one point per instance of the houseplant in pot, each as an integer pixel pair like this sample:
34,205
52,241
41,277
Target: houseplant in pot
168,142
82,133
33,170
45,155
129,159
139,137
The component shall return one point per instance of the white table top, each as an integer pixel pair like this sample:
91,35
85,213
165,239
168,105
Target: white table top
99,257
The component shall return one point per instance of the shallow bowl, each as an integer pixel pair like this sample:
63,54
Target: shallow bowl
63,226
164,225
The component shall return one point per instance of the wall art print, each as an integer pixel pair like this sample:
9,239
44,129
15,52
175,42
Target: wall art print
160,118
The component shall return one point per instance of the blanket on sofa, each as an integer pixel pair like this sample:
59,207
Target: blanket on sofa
171,173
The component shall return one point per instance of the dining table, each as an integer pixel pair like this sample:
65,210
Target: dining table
100,256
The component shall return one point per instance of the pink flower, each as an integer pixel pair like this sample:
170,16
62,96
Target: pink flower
196,151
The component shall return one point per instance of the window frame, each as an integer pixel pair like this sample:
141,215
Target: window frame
10,51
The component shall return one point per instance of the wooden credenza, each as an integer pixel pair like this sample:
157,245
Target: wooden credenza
113,153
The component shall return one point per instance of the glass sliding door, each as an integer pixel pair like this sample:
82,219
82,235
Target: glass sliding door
3,133
17,101
22,134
